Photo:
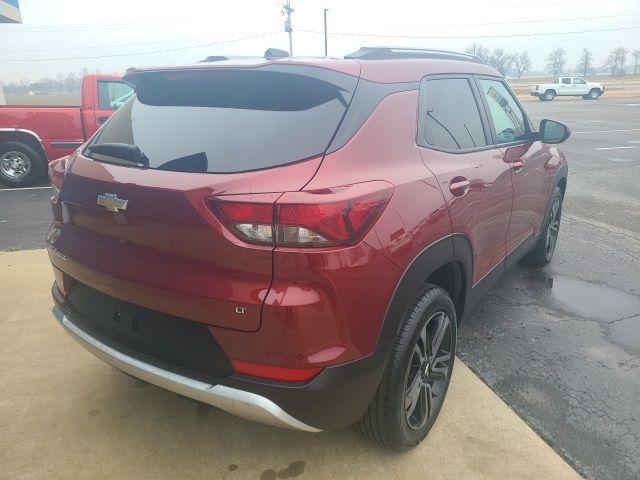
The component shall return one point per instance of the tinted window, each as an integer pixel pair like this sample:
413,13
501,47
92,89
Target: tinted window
112,95
231,120
566,81
452,117
508,120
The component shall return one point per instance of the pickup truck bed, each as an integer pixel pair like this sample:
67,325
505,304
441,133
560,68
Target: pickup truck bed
31,136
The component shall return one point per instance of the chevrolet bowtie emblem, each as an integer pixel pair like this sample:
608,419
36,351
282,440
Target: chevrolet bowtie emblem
112,203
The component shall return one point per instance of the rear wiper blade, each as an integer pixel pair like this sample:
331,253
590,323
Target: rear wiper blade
121,151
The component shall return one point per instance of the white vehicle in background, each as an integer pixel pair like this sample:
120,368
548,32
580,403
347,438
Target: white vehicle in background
567,86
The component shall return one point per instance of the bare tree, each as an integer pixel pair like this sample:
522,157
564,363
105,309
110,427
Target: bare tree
556,61
479,50
635,55
521,63
616,60
500,60
622,58
586,60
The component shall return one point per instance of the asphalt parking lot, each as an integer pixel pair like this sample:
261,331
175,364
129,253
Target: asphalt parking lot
561,346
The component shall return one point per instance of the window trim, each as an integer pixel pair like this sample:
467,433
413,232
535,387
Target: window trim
422,118
107,81
494,135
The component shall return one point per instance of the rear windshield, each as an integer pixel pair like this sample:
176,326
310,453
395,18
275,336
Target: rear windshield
230,120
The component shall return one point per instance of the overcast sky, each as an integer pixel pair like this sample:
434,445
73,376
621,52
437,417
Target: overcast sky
59,36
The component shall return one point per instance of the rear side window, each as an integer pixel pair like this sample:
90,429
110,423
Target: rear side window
566,81
452,118
231,120
113,94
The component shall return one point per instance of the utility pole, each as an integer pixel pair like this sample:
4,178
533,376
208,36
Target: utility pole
287,24
325,31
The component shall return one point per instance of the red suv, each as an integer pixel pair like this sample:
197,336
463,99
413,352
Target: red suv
295,240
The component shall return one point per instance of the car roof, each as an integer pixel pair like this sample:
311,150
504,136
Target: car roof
387,70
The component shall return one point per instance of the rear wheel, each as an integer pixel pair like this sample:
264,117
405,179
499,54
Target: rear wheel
541,98
417,375
20,164
542,253
549,95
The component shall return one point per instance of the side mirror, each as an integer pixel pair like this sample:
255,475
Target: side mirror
553,132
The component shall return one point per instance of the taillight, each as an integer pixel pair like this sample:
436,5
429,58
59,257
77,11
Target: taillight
536,87
313,218
273,372
57,169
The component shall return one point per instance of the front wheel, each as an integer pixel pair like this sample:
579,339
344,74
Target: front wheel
594,94
544,248
417,374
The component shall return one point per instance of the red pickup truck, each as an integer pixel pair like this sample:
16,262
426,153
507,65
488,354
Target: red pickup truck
30,136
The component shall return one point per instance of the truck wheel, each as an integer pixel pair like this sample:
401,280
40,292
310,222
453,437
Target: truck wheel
20,164
586,97
594,94
542,252
549,95
541,98
417,374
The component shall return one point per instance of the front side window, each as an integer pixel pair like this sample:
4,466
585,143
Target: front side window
112,95
505,113
578,81
452,118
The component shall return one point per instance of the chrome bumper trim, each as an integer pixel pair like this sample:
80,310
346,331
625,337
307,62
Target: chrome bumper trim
236,402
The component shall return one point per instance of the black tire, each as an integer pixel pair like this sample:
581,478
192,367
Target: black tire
388,420
20,164
544,248
586,97
594,94
549,95
541,98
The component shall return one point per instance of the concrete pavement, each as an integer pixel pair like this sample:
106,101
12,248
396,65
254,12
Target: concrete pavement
65,414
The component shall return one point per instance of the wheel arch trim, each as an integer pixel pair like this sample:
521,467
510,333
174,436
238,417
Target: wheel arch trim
30,133
454,250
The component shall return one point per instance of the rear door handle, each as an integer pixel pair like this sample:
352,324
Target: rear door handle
459,186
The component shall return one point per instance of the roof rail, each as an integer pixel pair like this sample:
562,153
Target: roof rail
386,53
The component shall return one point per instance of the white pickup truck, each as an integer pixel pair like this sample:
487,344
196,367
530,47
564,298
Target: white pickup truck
567,86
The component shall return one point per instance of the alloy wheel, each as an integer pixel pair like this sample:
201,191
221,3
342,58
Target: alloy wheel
553,228
15,165
428,371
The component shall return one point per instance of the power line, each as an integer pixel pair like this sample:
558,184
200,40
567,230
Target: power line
80,27
453,37
115,45
213,36
531,21
142,53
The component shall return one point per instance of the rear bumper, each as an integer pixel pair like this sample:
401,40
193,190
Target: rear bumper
337,397
237,402
534,94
